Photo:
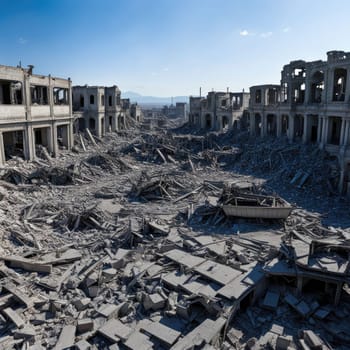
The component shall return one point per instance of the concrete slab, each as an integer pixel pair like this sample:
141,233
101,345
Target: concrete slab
114,330
138,341
165,334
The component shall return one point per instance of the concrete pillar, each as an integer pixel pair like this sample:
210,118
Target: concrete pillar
50,97
70,136
29,144
252,124
329,85
263,125
290,127
307,91
55,149
325,129
279,124
342,131
347,88
319,129
306,133
51,140
346,132
27,98
2,150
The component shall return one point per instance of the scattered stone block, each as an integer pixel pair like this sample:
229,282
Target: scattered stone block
283,342
85,325
82,304
109,274
82,345
154,301
312,340
66,338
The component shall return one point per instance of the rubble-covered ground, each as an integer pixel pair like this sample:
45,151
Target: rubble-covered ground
124,246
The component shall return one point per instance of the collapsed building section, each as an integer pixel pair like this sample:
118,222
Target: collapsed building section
311,105
219,111
35,111
101,109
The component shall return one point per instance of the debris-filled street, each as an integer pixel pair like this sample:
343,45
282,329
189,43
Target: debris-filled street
132,241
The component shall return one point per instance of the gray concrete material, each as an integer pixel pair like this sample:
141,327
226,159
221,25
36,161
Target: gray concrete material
202,334
312,340
217,272
314,97
29,109
184,258
66,338
115,330
175,278
108,310
137,341
165,334
85,325
82,304
154,302
82,345
14,317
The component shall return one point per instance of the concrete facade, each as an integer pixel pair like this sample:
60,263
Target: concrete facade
220,111
34,110
311,105
98,108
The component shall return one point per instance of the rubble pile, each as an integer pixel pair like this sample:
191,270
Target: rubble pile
133,252
301,166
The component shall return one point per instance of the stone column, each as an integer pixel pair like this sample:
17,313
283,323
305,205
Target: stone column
279,124
329,85
70,135
326,122
252,124
319,129
347,87
342,132
51,140
307,91
2,150
54,139
346,132
51,98
290,127
29,143
306,129
263,124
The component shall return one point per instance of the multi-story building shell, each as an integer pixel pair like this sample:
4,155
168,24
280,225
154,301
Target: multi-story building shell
312,104
219,110
34,110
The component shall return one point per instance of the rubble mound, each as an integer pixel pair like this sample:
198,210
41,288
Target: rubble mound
304,166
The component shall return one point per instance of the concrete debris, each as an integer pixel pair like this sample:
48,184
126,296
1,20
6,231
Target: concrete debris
125,244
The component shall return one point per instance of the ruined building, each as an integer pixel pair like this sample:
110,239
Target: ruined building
34,110
101,109
179,110
219,110
311,105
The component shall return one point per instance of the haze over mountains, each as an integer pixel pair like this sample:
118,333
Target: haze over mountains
136,97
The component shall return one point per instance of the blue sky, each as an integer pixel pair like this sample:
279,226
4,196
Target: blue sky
170,47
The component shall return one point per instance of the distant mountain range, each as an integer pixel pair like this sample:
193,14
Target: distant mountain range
135,97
